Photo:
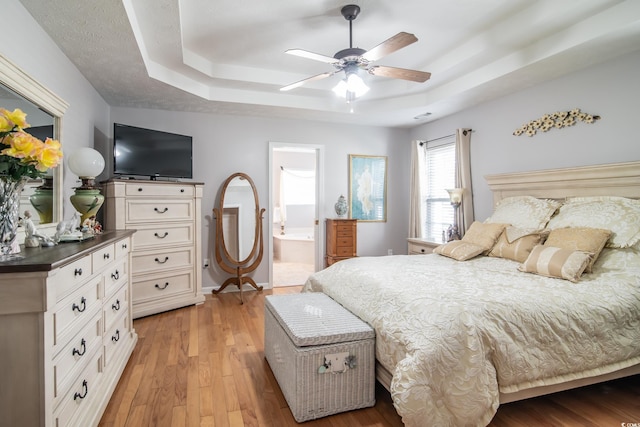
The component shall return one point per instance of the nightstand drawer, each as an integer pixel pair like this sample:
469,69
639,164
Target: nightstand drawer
420,247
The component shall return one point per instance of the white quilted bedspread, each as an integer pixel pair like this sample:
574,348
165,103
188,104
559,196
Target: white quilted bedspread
455,334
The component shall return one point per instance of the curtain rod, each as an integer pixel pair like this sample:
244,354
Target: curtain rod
443,137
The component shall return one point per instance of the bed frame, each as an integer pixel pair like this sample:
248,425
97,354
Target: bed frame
617,179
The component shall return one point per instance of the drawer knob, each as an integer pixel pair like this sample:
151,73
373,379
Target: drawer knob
115,275
116,337
116,306
164,287
162,262
422,250
85,390
161,211
161,237
80,308
77,272
124,246
83,345
182,190
139,189
105,256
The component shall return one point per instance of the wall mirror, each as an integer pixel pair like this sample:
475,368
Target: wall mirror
44,113
239,243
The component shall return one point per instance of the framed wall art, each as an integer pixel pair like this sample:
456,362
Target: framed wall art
368,188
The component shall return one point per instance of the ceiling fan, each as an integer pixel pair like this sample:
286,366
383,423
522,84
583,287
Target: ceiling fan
354,59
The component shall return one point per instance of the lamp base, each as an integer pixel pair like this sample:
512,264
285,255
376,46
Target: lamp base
87,202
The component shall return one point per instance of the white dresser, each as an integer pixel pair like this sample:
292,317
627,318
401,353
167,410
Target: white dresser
167,246
66,331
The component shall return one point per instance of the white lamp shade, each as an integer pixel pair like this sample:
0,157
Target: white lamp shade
86,162
455,194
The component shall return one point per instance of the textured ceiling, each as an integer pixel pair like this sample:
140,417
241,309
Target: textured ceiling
227,56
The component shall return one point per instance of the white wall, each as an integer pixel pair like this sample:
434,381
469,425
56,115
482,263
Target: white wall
610,90
31,49
224,145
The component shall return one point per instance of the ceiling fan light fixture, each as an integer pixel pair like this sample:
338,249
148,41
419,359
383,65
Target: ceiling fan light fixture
351,87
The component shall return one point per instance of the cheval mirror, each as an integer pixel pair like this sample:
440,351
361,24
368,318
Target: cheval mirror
239,243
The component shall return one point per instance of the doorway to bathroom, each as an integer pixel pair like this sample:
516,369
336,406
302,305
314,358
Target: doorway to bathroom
294,193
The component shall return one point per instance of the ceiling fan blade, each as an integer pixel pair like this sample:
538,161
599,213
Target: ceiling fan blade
400,73
389,46
311,55
307,80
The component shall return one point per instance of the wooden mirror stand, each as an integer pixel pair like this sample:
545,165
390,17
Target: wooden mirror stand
238,228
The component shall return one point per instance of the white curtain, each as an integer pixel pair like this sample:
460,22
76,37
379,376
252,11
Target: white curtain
465,214
415,201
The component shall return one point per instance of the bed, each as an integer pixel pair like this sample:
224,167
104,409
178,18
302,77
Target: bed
456,338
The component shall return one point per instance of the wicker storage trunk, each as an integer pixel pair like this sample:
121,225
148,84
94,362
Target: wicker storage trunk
303,332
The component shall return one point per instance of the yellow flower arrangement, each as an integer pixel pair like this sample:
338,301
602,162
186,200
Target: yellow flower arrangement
22,154
557,120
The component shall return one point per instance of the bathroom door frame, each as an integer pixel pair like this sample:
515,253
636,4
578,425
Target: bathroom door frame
318,228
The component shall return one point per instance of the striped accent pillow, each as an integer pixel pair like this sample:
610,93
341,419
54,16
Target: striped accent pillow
517,249
459,250
556,262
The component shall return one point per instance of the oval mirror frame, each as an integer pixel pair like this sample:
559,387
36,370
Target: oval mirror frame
24,85
234,260
236,247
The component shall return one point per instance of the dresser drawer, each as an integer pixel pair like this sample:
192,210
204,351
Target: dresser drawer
162,286
148,262
114,307
123,247
75,402
145,211
344,230
75,311
160,236
163,191
344,242
344,251
114,276
75,355
116,339
103,257
71,275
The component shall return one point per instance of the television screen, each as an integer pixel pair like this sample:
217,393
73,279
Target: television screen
152,153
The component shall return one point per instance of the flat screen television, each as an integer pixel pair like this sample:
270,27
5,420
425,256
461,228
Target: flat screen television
151,153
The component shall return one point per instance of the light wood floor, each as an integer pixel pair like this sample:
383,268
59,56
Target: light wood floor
205,366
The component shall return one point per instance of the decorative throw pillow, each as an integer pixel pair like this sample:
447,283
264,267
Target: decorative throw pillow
618,214
484,235
524,212
459,250
556,262
516,243
590,240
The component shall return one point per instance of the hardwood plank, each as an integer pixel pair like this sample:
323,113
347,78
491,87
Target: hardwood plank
205,366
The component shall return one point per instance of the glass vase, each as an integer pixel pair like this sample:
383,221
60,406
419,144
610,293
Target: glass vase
10,190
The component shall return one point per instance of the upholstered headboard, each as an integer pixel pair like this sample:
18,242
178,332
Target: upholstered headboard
615,179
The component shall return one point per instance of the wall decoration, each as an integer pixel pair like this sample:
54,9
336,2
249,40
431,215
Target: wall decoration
556,120
368,188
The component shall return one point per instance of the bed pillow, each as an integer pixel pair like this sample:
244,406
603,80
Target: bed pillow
556,262
590,240
516,243
459,250
484,235
524,212
618,214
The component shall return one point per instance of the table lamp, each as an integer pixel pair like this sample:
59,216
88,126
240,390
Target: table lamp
87,163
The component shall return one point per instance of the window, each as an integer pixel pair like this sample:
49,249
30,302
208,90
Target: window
437,173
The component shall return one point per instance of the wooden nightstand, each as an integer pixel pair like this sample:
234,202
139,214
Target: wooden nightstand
417,246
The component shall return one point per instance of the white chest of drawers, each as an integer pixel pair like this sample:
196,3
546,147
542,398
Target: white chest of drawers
66,331
167,248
